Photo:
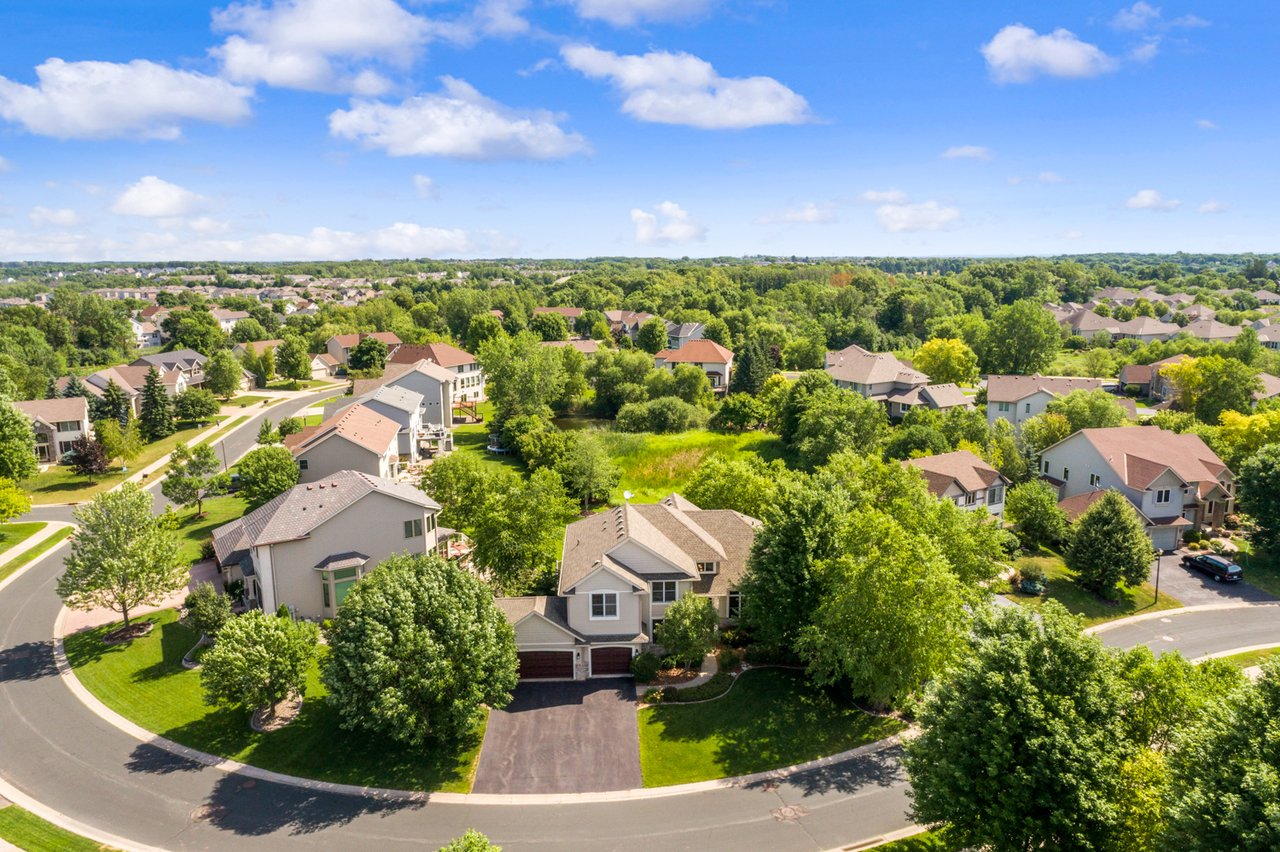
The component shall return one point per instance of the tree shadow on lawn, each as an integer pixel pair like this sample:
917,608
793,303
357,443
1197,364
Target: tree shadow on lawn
86,646
254,808
774,718
314,745
176,639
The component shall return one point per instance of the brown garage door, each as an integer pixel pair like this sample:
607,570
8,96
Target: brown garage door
546,664
610,661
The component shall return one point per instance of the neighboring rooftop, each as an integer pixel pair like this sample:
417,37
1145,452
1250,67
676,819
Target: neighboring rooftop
357,424
53,411
444,354
700,351
962,467
1014,388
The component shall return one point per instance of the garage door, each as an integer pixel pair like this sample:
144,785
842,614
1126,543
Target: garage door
610,661
546,664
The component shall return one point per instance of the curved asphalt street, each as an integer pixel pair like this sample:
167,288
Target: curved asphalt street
57,751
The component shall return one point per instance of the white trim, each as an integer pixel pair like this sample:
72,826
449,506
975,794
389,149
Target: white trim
617,605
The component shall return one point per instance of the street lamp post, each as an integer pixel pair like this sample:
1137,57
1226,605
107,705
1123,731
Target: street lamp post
1159,560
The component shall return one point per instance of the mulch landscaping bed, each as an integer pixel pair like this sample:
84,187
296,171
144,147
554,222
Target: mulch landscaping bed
128,634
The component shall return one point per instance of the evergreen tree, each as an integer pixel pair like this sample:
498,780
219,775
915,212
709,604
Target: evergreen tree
51,391
75,387
156,420
112,405
752,368
1110,545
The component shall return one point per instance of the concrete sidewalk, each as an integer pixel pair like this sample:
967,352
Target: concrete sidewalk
50,528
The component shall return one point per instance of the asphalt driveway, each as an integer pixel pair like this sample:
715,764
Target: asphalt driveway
562,738
1194,588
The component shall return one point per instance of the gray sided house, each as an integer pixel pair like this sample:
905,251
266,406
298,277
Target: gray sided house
435,384
620,571
307,547
394,403
1174,480
964,479
1019,398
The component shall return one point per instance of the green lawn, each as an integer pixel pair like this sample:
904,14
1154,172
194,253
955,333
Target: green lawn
770,719
246,400
12,535
145,682
313,420
193,531
1251,658
217,436
304,384
27,831
34,553
1065,590
59,484
655,465
1261,568
473,438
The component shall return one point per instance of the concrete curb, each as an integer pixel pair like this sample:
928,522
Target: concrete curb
387,794
63,821
50,528
1171,613
1232,652
54,527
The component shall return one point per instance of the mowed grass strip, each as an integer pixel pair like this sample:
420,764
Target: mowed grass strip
12,535
1066,590
194,531
1248,659
144,681
34,553
27,831
770,719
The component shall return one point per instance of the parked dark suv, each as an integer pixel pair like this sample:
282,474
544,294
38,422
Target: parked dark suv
1218,567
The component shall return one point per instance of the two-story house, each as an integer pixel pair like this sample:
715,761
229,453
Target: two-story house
627,322
882,377
227,319
257,347
1174,480
56,423
145,333
1019,398
394,402
307,547
340,345
425,378
620,571
682,333
1147,380
964,479
707,355
468,383
356,438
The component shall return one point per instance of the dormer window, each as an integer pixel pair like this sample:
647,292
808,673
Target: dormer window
708,567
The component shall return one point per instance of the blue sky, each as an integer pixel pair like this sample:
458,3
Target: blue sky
328,129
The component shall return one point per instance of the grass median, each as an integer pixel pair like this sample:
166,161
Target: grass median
144,681
770,719
33,553
25,830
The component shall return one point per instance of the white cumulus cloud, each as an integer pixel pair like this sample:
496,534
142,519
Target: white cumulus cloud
1211,206
1139,16
318,45
809,213
105,100
456,122
906,217
1019,54
679,88
967,152
154,198
42,217
669,223
1151,199
1206,124
624,13
424,186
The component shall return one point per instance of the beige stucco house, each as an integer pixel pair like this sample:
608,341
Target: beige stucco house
356,438
964,479
1019,398
57,423
307,547
707,355
620,571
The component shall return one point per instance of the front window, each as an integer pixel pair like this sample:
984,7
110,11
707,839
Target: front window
336,584
664,591
303,464
1095,480
1003,406
1211,508
735,604
1162,496
995,494
68,425
970,497
413,529
604,605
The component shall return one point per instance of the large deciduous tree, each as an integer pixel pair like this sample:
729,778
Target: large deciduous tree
87,456
946,360
1088,409
837,421
17,443
258,660
222,374
416,650
1032,508
588,472
688,629
1022,743
652,336
195,405
1022,339
267,472
1109,545
518,530
1259,484
193,476
292,359
123,556
369,355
